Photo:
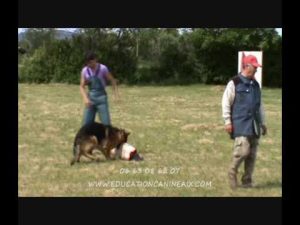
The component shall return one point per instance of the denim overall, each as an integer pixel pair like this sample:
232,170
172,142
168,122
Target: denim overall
98,98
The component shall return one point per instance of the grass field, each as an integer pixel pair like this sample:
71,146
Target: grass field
178,129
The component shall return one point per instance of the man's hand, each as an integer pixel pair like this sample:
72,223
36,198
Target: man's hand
229,128
116,96
264,129
87,102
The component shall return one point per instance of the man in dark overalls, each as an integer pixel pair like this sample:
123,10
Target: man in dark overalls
244,120
96,75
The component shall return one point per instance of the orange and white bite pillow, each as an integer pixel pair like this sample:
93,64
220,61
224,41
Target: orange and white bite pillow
125,152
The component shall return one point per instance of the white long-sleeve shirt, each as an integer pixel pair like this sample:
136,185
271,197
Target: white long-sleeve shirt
227,101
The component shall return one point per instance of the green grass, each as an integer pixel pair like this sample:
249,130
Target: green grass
172,127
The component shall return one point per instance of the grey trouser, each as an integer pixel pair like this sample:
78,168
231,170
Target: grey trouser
244,149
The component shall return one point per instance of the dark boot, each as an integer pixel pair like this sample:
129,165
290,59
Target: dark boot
246,181
232,180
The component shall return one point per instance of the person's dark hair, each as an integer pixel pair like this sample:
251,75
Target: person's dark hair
21,50
90,56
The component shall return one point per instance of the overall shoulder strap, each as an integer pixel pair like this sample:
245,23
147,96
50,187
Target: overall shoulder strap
236,80
98,70
88,71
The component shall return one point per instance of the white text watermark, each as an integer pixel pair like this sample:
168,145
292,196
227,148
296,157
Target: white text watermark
150,184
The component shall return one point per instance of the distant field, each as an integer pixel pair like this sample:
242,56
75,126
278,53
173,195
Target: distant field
178,129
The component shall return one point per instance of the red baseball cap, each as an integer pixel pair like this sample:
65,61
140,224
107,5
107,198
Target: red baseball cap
251,59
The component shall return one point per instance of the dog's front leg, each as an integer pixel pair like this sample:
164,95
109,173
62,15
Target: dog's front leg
91,157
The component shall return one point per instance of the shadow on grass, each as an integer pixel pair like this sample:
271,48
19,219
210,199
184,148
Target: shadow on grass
85,162
269,184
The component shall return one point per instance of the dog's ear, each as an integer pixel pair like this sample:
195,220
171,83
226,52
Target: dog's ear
106,132
127,133
120,134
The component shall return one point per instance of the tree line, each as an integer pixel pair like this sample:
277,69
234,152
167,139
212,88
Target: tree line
149,55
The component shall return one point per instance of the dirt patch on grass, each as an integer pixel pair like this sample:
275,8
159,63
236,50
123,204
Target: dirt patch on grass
196,127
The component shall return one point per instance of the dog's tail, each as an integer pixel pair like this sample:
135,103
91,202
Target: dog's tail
75,154
74,147
75,151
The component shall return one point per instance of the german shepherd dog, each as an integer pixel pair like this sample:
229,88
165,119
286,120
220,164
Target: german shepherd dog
97,136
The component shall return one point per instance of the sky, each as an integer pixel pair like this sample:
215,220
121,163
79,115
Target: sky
69,29
279,30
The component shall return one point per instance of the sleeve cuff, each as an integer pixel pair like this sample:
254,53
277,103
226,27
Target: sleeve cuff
227,121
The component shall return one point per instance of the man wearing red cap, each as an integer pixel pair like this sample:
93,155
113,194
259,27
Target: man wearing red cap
244,120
